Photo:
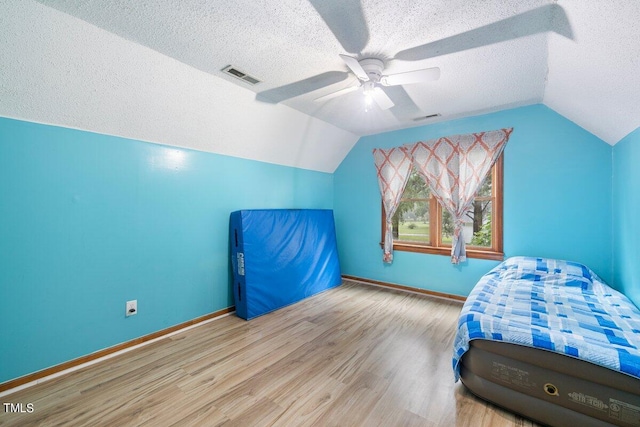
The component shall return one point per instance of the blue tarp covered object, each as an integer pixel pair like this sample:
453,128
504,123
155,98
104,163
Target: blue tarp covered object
281,256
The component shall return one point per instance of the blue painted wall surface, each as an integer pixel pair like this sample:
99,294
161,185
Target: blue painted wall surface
557,200
626,214
89,221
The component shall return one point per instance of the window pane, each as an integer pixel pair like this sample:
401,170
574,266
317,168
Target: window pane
485,188
411,221
477,225
414,225
480,217
478,228
416,187
447,227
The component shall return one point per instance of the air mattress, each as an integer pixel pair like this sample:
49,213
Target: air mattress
551,388
550,340
281,256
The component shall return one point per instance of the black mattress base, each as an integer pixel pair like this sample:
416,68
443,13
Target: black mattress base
550,388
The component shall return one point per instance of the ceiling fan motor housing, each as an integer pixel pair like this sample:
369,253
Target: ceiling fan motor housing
373,67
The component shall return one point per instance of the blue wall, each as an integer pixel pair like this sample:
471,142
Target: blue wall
626,213
557,200
90,221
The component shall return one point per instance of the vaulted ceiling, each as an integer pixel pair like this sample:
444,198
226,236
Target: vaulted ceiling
152,70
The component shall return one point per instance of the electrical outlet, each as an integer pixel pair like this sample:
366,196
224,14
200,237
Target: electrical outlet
132,308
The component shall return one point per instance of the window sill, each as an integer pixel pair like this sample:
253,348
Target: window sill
424,249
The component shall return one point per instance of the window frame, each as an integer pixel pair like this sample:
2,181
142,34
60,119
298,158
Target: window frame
436,246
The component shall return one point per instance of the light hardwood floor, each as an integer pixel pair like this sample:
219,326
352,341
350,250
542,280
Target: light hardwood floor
356,355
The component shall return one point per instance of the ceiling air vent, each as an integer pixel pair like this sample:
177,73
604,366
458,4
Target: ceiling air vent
233,71
430,116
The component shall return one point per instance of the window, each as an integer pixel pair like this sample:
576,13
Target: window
421,225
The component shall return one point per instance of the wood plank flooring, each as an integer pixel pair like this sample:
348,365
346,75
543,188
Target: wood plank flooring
355,355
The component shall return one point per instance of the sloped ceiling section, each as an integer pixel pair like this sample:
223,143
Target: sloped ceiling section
60,70
593,79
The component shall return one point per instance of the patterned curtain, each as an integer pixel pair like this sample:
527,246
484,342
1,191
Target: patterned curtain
394,167
454,167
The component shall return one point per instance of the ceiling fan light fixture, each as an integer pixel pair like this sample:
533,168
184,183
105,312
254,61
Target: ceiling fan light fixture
367,89
368,102
369,73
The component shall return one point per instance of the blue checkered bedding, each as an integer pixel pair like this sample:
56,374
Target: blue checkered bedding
560,306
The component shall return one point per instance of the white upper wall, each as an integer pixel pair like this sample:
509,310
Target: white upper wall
57,69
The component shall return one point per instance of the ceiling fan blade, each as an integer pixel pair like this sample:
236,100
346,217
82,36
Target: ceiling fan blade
405,108
337,93
282,93
355,66
381,98
346,21
542,19
417,76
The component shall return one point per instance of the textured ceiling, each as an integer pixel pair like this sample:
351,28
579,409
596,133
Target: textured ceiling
151,70
293,46
593,80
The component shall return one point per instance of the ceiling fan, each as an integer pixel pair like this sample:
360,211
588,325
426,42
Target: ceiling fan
369,73
346,20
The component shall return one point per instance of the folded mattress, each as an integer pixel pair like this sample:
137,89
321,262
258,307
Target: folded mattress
281,256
